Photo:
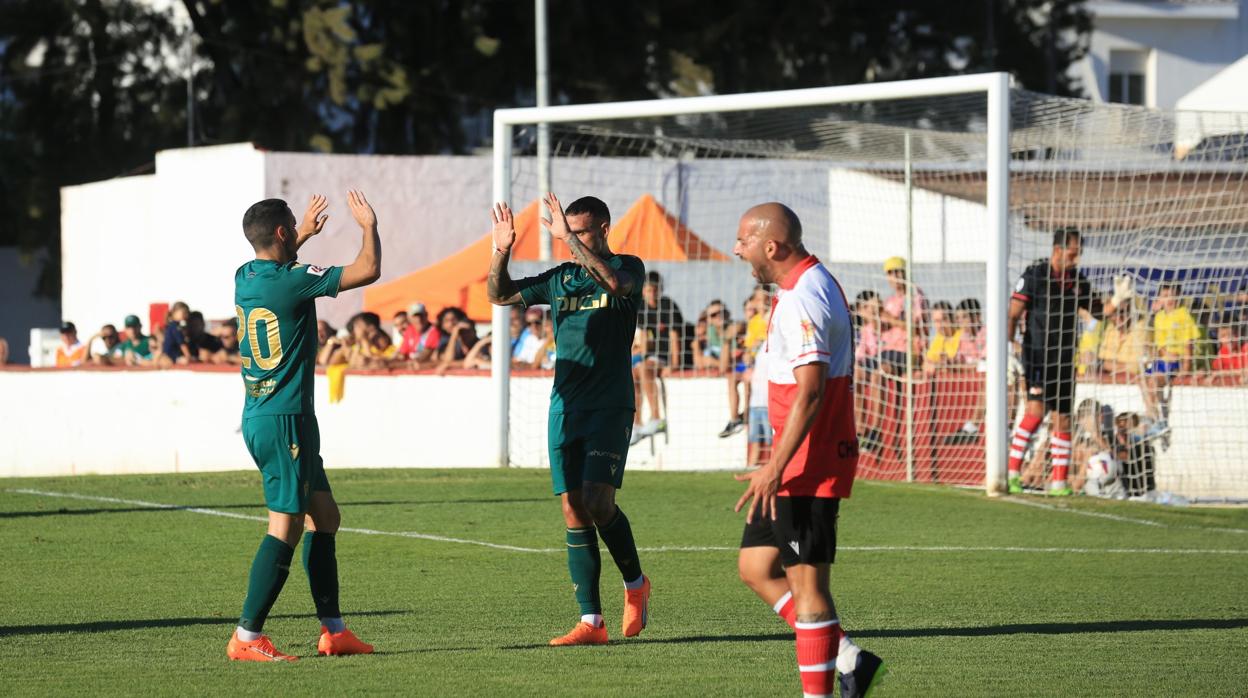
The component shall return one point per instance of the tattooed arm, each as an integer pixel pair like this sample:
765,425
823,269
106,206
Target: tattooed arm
500,288
617,282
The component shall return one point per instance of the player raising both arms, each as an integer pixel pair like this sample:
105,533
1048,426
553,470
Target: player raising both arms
593,302
789,542
275,298
1050,293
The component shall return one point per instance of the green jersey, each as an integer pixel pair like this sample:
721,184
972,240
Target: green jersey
276,307
140,347
593,335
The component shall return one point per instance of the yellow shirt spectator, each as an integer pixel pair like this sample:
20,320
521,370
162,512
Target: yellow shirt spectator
1173,333
945,345
1124,349
755,333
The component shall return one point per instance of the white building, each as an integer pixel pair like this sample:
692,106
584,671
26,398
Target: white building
1152,52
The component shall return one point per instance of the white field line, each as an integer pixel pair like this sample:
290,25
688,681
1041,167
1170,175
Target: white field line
660,549
1119,518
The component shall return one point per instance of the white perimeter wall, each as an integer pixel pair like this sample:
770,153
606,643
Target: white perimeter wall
111,422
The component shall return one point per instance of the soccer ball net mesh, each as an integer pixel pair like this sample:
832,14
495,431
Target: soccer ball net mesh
892,198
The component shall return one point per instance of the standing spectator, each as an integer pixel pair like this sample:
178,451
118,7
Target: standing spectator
4,351
972,351
134,349
174,348
760,427
746,343
1051,292
946,339
1174,335
100,346
398,325
868,383
1134,454
894,315
789,542
660,319
70,352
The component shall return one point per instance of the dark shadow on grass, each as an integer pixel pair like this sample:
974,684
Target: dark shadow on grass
1112,626
107,626
1107,626
258,506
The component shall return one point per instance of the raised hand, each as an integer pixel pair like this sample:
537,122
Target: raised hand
361,211
504,227
558,222
314,218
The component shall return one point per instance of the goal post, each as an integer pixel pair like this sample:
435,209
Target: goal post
992,88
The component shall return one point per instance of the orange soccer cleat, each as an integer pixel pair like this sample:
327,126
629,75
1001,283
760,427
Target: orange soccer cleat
344,642
258,650
582,634
636,608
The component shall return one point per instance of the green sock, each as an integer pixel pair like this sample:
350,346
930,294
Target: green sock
585,564
321,564
618,536
268,573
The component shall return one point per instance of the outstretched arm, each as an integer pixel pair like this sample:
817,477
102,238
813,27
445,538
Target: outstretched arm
367,265
615,281
500,288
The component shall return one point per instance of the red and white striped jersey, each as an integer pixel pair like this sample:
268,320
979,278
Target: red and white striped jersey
810,322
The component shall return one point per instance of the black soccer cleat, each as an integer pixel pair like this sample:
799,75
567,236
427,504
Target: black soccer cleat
866,675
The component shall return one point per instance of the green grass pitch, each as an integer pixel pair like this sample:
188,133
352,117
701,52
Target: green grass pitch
962,594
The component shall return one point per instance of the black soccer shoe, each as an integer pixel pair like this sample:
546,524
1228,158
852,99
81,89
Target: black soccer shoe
733,427
866,675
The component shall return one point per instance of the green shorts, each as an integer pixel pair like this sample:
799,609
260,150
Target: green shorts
588,447
287,450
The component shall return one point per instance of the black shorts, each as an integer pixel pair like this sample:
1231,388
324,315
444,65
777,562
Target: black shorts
804,530
1051,380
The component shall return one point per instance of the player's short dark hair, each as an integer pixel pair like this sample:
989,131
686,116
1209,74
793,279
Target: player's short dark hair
597,210
262,219
1064,236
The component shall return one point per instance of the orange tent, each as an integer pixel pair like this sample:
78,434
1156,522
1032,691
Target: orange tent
646,230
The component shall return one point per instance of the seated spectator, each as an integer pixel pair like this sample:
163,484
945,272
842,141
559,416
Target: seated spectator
337,349
134,349
448,319
1093,433
70,352
1232,356
204,346
4,351
1134,455
946,339
973,347
226,332
710,336
175,348
1091,332
479,355
1121,353
546,355
324,333
420,339
398,325
528,342
463,337
372,348
894,307
100,346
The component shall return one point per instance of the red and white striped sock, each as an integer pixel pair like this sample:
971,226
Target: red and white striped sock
1059,453
1018,443
785,609
817,645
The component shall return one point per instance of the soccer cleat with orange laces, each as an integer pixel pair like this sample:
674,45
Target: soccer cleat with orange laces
636,608
582,634
344,642
258,650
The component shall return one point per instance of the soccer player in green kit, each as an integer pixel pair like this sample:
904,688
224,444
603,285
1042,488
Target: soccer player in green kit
593,302
275,299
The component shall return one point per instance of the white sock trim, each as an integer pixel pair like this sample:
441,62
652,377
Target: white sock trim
825,667
783,600
247,635
636,583
594,619
817,625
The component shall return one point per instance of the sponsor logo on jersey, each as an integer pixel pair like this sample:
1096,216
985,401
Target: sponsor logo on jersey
607,454
575,303
317,271
808,334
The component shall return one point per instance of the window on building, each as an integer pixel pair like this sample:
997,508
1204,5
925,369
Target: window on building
1127,70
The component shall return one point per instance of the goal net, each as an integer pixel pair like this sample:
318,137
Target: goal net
893,195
